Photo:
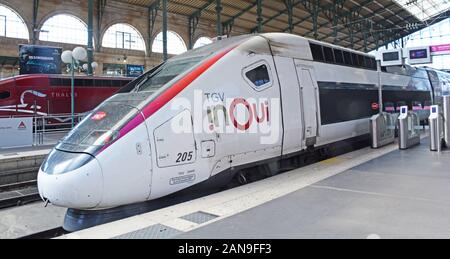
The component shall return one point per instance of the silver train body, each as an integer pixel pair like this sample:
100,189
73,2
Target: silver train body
241,102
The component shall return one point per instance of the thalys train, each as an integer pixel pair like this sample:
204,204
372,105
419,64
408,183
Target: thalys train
254,104
42,95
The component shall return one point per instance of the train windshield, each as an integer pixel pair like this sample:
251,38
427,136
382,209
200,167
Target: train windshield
164,74
99,128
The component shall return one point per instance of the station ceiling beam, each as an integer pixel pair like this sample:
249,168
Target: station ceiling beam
228,25
194,19
283,12
152,14
101,5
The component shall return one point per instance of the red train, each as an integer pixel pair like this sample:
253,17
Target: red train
40,95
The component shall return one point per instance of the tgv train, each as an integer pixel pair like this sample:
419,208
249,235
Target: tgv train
41,95
221,111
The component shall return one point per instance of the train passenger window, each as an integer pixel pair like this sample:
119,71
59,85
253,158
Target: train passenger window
328,52
5,95
65,82
79,82
368,62
258,76
348,58
317,52
116,83
88,82
373,63
355,59
124,83
338,55
98,83
55,82
361,61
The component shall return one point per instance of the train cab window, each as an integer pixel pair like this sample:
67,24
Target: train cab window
328,53
317,52
258,76
338,55
5,95
348,58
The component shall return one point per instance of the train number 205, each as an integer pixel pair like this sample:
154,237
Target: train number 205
185,157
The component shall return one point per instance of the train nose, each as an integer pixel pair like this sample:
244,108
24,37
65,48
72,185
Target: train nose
71,180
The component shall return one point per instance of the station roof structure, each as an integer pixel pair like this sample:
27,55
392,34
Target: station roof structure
358,24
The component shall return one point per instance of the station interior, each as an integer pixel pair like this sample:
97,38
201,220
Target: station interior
224,119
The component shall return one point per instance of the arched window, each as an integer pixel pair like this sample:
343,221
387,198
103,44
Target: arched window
203,41
11,24
175,44
123,36
64,28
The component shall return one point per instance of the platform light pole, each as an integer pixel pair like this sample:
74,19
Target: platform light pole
72,59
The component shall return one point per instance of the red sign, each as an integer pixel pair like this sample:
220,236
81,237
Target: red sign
375,106
99,116
22,126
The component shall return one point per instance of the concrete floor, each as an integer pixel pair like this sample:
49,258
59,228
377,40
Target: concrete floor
26,220
405,194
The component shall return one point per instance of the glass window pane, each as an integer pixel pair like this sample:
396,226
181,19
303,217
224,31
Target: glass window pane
203,41
11,24
175,44
64,28
317,52
123,36
259,76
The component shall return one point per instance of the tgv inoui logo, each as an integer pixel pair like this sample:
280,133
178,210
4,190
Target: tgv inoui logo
220,115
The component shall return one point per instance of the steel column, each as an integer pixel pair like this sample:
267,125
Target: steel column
193,24
165,27
219,9
90,47
35,28
101,4
259,20
290,10
152,14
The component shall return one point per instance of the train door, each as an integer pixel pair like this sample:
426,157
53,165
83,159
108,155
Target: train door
309,99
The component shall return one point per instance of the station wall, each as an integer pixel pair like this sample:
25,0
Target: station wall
115,12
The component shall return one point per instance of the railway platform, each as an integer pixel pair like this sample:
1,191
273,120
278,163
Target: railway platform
18,184
384,193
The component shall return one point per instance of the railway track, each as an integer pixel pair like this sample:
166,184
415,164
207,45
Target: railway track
48,234
18,194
